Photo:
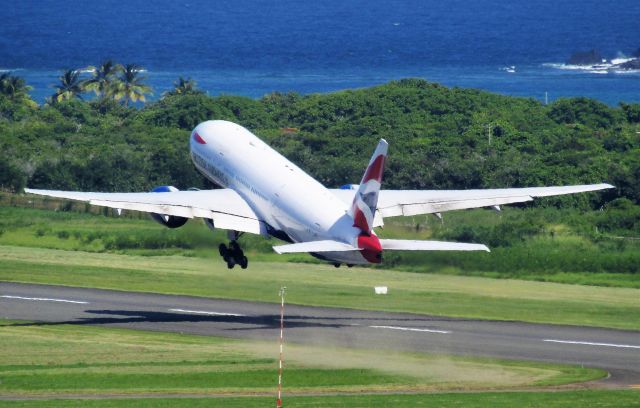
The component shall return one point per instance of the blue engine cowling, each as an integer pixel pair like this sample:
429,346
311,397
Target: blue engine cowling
170,221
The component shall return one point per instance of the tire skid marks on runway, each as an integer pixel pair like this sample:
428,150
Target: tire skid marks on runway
204,312
79,302
590,343
411,329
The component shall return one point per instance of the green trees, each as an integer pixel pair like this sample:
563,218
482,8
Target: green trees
12,178
70,86
15,89
582,110
129,86
15,102
631,111
184,86
438,136
438,139
109,81
103,80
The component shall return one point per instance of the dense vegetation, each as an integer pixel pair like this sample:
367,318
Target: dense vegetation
439,138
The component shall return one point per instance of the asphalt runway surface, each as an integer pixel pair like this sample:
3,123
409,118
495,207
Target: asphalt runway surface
617,351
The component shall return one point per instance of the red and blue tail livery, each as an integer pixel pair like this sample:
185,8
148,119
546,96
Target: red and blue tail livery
365,202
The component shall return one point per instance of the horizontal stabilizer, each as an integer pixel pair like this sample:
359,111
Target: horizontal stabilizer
410,245
315,246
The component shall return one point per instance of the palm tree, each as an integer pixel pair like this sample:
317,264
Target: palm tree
4,77
104,79
70,86
130,86
185,86
16,89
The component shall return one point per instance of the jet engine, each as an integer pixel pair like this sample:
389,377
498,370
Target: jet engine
169,221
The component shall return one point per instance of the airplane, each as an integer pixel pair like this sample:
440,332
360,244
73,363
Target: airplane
264,193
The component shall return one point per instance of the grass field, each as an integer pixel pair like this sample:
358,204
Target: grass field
592,399
556,252
323,285
66,359
115,365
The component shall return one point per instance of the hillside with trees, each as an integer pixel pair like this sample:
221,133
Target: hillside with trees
440,138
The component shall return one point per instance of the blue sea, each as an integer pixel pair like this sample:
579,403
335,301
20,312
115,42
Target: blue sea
252,47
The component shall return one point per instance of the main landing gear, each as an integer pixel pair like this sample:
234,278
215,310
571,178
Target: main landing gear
233,255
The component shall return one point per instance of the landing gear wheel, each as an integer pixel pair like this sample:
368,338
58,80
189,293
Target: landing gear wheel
233,255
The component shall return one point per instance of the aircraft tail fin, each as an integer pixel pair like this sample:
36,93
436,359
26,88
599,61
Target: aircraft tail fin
365,201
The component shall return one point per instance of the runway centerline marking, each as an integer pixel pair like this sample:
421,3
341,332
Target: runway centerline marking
589,343
203,312
411,329
44,299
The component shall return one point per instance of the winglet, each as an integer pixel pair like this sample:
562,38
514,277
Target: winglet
365,201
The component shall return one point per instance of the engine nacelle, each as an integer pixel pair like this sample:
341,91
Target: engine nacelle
169,221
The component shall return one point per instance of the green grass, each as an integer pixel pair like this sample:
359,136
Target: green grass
79,360
570,399
557,252
322,285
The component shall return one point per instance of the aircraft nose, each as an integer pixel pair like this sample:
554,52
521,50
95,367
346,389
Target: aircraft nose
210,131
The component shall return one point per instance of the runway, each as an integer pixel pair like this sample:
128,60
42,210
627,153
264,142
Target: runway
617,351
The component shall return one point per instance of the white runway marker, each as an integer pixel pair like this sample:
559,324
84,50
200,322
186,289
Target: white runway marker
413,329
202,312
588,343
44,299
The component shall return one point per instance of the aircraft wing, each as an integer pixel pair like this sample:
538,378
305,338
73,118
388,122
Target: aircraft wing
225,207
393,203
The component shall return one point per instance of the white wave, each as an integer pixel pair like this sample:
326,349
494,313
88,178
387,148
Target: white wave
605,67
580,67
626,71
596,68
617,61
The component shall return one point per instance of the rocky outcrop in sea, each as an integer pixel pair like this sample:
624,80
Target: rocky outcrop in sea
592,60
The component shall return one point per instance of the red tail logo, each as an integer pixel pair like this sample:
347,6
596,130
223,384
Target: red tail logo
365,202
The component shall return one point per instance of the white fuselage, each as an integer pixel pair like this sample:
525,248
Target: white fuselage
279,192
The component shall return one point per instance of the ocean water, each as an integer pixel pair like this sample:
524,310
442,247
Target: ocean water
252,47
